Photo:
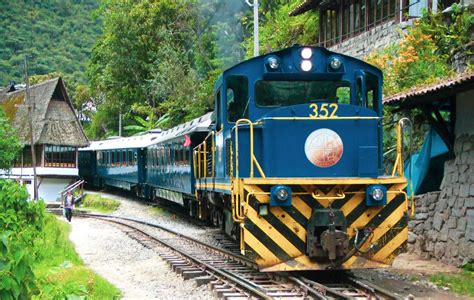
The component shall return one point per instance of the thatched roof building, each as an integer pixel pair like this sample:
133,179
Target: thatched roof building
54,120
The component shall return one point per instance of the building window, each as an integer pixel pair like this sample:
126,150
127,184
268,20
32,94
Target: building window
60,156
346,18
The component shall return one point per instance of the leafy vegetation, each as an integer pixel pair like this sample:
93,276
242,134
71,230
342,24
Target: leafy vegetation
278,30
37,260
99,203
420,58
143,125
9,144
157,58
21,222
462,283
56,35
60,272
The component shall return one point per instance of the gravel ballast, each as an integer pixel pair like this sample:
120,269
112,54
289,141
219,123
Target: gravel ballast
136,270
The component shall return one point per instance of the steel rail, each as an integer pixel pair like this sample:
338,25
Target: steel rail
242,282
310,287
373,288
229,253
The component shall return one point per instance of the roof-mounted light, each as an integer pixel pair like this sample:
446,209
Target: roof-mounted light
306,65
273,62
335,62
306,53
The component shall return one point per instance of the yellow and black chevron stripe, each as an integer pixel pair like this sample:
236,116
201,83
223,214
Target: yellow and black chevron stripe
277,241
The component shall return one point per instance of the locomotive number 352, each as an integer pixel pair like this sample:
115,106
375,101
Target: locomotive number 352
324,110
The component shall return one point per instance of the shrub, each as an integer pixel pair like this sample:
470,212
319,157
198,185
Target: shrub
411,62
21,222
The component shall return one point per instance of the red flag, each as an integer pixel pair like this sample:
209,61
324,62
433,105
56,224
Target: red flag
187,141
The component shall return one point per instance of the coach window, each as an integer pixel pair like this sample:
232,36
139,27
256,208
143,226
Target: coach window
237,97
162,155
185,156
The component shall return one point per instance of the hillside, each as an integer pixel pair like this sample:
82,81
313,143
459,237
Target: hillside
57,35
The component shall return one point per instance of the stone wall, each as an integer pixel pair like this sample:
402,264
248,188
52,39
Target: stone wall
376,38
443,226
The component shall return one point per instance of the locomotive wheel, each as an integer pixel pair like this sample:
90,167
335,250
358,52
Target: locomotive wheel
217,218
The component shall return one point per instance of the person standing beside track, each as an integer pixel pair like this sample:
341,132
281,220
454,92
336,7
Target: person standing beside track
69,205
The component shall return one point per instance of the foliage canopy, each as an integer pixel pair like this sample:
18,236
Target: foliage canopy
56,35
9,144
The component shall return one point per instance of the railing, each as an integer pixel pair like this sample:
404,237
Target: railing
76,186
253,159
204,157
398,166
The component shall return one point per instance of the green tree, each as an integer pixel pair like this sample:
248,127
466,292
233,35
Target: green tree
9,144
152,53
56,35
279,30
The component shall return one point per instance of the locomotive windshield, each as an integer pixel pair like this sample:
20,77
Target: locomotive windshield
285,93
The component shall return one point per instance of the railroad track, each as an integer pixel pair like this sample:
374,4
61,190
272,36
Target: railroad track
233,276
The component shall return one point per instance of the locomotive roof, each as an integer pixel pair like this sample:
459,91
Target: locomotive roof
152,137
258,60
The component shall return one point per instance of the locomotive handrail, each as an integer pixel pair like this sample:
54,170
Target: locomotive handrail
253,159
339,195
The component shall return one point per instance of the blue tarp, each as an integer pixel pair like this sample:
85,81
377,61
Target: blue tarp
433,146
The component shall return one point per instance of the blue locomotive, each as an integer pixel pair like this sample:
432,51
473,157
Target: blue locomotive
289,163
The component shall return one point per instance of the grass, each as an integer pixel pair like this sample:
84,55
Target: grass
60,271
99,203
462,283
157,209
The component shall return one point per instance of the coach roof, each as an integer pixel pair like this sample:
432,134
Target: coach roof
153,136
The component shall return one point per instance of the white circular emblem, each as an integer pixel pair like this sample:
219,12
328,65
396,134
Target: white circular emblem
323,148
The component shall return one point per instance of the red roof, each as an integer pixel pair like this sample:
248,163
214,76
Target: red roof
433,90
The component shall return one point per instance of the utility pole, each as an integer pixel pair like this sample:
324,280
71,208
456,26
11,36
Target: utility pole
256,48
120,122
31,111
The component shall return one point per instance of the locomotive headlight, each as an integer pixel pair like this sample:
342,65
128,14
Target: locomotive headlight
306,65
306,53
282,194
377,194
273,62
335,63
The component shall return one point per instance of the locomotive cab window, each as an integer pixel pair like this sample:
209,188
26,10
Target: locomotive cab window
372,92
237,98
286,93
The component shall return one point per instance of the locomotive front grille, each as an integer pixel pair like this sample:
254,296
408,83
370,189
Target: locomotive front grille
303,236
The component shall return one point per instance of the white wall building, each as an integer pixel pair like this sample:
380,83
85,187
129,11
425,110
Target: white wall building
57,134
